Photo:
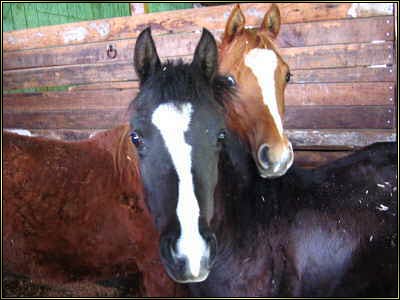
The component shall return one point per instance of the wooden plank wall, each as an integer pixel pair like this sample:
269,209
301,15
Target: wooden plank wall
342,95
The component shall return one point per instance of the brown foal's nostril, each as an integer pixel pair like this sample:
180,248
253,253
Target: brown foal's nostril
263,156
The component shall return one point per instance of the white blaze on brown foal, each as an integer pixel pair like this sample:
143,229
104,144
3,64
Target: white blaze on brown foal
263,64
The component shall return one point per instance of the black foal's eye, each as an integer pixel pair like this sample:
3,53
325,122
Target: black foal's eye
288,75
231,80
221,136
136,139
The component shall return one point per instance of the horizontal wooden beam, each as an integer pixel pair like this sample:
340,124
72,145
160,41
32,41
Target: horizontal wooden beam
302,139
329,32
68,75
331,56
331,75
337,56
344,31
351,74
338,138
68,101
182,21
79,119
321,94
377,93
343,117
297,117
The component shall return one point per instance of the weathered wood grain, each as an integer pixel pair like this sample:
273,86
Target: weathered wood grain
291,35
61,134
331,56
334,56
343,94
331,75
323,117
297,117
167,45
378,93
355,74
338,138
336,32
73,100
177,21
79,119
75,74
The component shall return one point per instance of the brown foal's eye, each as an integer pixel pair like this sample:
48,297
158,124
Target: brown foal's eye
231,80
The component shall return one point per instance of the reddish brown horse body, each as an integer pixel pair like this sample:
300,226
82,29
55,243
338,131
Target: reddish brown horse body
75,211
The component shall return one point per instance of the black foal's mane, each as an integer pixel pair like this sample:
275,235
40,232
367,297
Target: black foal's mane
178,81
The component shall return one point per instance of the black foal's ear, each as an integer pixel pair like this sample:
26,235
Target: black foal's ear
206,55
146,60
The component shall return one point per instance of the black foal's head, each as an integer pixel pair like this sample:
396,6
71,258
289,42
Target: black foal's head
178,128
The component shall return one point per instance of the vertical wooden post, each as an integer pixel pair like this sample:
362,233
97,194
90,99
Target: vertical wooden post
138,8
395,22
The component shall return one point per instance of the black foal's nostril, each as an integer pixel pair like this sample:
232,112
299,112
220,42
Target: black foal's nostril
263,155
211,241
180,265
213,250
168,248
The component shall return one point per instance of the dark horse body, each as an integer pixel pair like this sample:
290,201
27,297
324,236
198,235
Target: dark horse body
331,231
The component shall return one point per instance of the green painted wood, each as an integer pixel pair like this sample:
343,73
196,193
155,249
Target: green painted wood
18,13
7,18
29,15
157,7
32,18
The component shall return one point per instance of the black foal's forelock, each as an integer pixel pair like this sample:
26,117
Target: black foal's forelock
181,82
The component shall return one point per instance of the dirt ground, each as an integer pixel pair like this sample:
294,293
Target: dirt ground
19,286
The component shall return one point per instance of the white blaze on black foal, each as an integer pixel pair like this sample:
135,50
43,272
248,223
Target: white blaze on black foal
173,122
177,120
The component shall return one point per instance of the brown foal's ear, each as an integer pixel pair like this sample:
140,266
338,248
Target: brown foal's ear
235,24
272,21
